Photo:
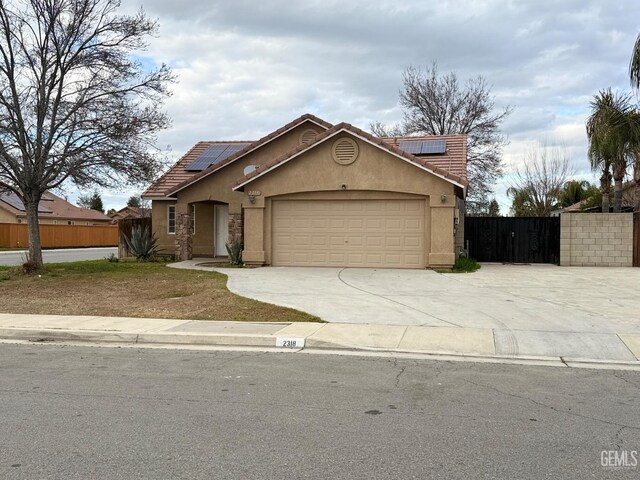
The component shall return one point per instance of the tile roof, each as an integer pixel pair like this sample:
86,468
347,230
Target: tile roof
178,177
450,165
178,173
455,161
51,206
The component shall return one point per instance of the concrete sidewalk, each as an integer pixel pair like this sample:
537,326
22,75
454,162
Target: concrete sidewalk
473,344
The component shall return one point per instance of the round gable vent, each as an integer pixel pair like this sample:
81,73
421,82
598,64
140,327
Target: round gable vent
345,151
308,136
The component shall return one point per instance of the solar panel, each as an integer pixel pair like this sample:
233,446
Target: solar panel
13,200
214,154
433,146
424,147
412,146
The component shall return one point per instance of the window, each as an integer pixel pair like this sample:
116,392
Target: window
171,220
193,217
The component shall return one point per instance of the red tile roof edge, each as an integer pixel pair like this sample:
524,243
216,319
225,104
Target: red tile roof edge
249,148
355,130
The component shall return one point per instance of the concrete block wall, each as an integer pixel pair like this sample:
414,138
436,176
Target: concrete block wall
596,239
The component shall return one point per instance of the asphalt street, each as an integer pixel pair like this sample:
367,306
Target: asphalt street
17,257
95,412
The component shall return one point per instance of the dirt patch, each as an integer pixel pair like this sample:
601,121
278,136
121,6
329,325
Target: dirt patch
121,289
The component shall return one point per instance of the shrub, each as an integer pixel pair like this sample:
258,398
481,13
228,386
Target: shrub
235,252
142,244
113,258
465,265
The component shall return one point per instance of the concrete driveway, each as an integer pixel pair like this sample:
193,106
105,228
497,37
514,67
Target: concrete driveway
542,298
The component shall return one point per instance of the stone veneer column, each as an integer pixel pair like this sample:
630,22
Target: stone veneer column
235,227
184,236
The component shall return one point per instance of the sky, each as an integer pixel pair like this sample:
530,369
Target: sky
245,68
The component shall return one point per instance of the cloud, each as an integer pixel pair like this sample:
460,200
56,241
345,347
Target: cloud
245,68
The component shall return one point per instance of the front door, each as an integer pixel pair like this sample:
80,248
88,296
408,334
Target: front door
221,230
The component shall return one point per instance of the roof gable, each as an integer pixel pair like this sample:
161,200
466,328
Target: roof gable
51,206
381,143
179,177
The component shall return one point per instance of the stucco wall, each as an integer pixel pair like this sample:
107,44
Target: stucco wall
166,242
7,217
596,239
216,188
375,174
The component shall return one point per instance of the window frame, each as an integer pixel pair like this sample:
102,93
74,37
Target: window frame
169,209
193,218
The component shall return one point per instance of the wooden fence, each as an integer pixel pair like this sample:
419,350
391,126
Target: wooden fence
14,235
125,226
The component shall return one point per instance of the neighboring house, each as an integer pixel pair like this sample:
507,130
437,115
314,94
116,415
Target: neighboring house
628,201
315,194
52,210
129,212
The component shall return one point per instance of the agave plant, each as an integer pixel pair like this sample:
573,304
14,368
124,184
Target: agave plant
142,244
234,250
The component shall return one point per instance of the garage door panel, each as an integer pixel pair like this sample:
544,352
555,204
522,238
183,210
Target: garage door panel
412,224
356,233
412,242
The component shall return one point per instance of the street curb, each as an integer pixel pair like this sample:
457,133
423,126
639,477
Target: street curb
268,341
40,335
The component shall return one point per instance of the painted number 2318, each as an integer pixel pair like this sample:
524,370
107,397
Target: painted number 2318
289,342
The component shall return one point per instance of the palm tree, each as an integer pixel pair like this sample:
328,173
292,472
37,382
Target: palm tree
634,65
614,139
634,74
574,191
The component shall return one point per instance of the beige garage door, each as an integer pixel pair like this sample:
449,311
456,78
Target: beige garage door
348,233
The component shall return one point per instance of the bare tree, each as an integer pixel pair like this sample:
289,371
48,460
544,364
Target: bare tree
141,206
381,130
539,183
75,105
91,201
437,104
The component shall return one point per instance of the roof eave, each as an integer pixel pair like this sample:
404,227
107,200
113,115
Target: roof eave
251,148
392,150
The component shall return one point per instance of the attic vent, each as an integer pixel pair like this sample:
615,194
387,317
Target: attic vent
308,136
345,151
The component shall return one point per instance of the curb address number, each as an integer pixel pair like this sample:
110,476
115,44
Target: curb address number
290,342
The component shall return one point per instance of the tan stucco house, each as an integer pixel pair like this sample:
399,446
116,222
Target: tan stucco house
316,194
52,210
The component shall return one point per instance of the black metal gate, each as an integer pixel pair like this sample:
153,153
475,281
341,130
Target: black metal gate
513,239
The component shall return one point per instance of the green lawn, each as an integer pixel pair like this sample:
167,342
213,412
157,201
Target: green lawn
133,290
